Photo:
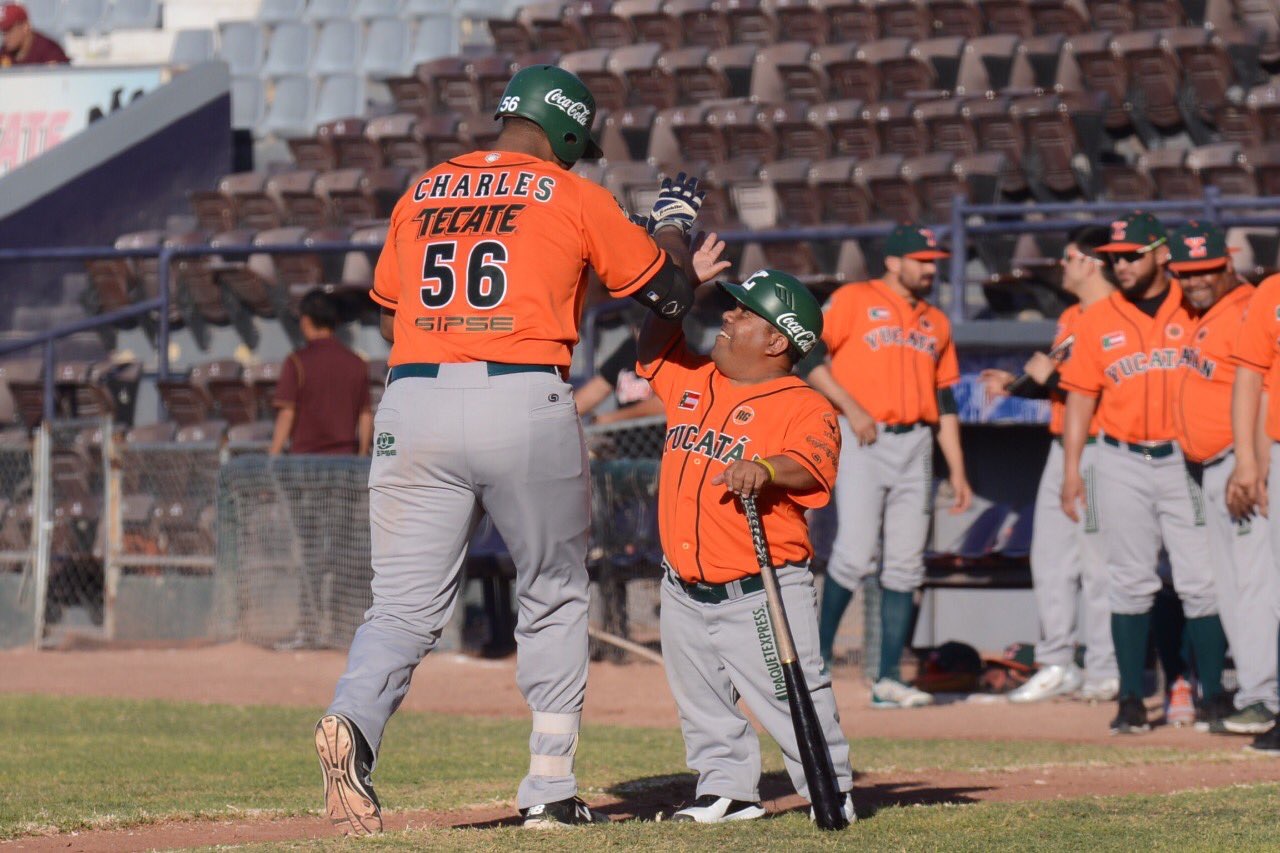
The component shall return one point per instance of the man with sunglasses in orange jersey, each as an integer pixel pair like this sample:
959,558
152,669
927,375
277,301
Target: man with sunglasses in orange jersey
1200,262
891,367
1125,366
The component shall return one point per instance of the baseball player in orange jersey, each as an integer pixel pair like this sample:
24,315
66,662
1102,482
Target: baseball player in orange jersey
891,367
482,281
1244,566
1066,557
738,423
1257,457
1126,365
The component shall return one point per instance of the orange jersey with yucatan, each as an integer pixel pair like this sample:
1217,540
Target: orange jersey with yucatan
486,260
1202,404
1132,363
891,356
1259,344
711,423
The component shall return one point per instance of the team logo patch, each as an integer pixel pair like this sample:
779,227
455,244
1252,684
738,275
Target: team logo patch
1201,335
1112,340
929,238
1117,231
878,314
576,110
744,415
492,158
385,444
1173,330
1197,246
689,401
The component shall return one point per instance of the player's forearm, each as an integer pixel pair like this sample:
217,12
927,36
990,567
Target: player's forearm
1075,428
591,394
643,409
1262,441
387,325
791,475
364,432
1246,396
949,443
284,426
654,337
822,379
674,242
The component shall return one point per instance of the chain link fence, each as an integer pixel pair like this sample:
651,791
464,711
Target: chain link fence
75,588
17,545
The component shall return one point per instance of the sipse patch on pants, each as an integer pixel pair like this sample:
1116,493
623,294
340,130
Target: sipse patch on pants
386,444
764,632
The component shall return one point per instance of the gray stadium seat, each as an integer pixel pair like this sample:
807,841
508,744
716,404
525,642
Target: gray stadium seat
191,47
248,106
134,15
386,49
367,10
340,95
81,16
290,110
414,8
241,46
338,48
289,50
279,11
329,10
436,36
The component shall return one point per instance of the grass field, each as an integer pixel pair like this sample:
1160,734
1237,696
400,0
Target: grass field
73,764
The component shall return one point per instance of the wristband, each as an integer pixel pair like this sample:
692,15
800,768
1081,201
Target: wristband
764,463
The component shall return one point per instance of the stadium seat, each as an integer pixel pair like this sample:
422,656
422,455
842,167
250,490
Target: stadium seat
1049,128
247,437
1222,165
718,204
371,10
191,47
1049,65
241,45
1155,77
1117,16
851,130
206,432
681,134
339,47
324,11
1059,17
434,37
990,63
187,400
751,22
340,95
904,19
1264,160
898,127
649,23
510,36
798,135
696,81
998,131
1159,14
553,26
1207,71
289,113
701,22
649,83
946,125
800,20
633,183
81,17
1103,69
133,15
783,73
21,390
605,28
262,378
289,50
843,200
1263,17
955,18
633,126
1121,181
281,11
850,76
446,136
244,282
400,140
1168,171
592,67
452,82
1009,17
248,103
747,130
892,196
851,20
319,152
161,432
789,180
344,191
254,206
186,526
934,181
295,192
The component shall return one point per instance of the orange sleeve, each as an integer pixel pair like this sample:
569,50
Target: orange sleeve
948,370
835,328
1081,372
813,439
1256,345
672,366
621,252
386,275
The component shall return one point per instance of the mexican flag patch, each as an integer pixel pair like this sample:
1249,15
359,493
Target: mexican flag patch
1112,340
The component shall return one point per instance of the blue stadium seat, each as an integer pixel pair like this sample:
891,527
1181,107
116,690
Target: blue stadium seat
241,45
134,15
191,47
280,11
80,16
338,47
248,104
435,36
321,11
339,95
386,52
367,10
289,50
290,111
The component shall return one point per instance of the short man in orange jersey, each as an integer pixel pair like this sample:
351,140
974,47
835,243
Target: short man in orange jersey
1066,556
1243,562
1257,457
482,281
1126,365
738,423
892,364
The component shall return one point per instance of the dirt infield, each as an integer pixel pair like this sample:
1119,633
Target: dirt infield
634,695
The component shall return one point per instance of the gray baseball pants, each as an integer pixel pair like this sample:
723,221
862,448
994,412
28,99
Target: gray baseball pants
1142,503
513,446
883,488
1067,565
716,654
1245,575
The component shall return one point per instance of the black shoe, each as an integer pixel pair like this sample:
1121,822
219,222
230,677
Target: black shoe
570,812
1212,714
710,808
1131,718
1268,742
346,761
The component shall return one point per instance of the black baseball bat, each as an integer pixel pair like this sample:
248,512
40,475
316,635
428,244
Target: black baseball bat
814,755
1023,383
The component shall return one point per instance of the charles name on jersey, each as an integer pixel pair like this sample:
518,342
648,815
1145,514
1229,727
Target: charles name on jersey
709,443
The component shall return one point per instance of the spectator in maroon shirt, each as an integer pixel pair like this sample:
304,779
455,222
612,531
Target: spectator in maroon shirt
323,392
22,44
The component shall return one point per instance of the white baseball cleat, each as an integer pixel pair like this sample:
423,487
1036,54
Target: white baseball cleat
887,693
712,809
1050,681
1101,690
849,814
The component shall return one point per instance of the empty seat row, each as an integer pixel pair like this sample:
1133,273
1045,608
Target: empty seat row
82,389
282,11
294,105
83,17
301,197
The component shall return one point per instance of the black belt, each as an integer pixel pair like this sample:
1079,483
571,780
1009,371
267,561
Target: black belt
716,593
430,370
899,429
1148,451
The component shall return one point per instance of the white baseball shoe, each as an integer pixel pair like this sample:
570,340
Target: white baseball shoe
1101,690
1050,681
712,809
887,693
849,814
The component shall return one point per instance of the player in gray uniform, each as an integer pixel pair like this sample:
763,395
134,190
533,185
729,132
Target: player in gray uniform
481,281
738,423
1066,557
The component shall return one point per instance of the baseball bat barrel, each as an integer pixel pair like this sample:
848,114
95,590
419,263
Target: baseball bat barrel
815,758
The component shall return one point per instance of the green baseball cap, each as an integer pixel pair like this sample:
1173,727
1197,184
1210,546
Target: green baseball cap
559,103
913,241
1195,247
783,301
1137,232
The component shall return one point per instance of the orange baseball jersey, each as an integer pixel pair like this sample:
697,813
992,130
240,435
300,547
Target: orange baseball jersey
892,357
1260,341
1202,408
1133,363
711,423
1057,401
486,260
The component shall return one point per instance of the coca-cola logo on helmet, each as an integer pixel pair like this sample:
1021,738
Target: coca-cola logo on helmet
576,110
803,338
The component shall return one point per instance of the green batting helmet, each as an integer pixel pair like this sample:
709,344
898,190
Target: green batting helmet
785,303
559,103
